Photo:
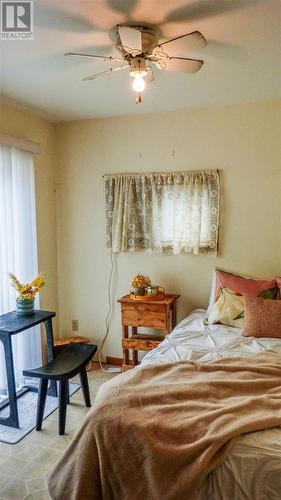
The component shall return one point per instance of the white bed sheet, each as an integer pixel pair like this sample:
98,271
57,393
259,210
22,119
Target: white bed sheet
252,471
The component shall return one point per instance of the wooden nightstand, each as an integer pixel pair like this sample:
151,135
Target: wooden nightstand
160,314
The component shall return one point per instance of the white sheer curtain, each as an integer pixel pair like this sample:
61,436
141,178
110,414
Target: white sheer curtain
18,250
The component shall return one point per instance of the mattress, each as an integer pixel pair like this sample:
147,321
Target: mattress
252,471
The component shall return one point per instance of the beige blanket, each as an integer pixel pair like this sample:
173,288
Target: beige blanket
155,432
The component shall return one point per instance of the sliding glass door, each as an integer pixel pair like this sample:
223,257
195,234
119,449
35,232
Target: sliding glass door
18,250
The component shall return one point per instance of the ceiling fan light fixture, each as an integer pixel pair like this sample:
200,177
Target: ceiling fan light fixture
139,45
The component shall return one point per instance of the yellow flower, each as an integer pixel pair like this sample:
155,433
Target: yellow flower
27,291
140,281
14,282
38,282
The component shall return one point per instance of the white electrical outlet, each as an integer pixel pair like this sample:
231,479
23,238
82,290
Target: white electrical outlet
75,325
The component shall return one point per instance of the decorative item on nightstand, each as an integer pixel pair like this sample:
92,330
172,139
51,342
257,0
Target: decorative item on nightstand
155,292
27,292
139,284
142,289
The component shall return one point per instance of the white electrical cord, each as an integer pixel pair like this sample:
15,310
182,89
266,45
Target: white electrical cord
107,319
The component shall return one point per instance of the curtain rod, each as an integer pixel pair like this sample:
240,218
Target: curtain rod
18,142
160,173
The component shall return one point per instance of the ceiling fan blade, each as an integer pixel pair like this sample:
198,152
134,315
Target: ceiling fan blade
107,72
180,64
180,44
205,9
124,7
104,58
150,75
131,39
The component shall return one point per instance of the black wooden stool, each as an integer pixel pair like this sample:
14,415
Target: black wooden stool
71,360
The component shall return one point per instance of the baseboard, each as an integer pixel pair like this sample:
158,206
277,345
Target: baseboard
110,360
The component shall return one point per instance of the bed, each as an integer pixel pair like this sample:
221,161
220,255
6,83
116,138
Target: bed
252,469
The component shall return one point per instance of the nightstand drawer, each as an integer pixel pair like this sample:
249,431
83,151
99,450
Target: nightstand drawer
143,308
152,319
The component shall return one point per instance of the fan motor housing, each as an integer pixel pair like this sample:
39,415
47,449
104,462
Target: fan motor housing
148,37
138,67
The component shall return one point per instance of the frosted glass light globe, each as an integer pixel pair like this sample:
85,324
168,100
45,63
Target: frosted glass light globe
138,84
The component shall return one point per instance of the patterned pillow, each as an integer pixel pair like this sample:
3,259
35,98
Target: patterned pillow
262,317
228,307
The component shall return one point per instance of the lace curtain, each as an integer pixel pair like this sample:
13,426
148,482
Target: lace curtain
165,212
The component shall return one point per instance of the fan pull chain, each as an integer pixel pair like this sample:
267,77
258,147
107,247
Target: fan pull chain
138,99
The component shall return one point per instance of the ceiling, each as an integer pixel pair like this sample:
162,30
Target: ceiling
242,58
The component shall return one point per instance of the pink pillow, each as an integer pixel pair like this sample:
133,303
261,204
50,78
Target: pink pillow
240,284
227,304
262,317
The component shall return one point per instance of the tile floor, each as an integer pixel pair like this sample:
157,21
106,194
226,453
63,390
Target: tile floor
23,466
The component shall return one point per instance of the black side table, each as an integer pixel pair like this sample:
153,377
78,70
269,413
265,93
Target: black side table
11,324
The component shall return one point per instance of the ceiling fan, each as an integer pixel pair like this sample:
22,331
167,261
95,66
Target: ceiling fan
138,45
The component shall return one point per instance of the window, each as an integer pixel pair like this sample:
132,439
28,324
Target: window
165,212
18,249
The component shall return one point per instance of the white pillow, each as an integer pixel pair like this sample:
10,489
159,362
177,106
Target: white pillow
212,293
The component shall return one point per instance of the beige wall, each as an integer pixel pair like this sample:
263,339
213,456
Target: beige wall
26,125
242,141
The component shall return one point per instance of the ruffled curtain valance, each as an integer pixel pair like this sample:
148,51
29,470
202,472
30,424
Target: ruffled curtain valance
165,212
